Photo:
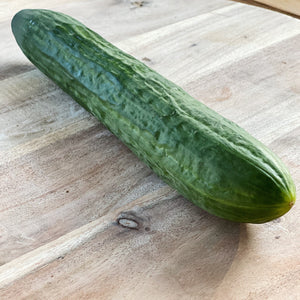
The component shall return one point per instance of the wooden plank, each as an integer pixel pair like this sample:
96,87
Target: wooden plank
167,256
65,181
66,184
70,241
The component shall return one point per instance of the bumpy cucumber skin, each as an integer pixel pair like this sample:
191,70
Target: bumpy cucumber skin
210,160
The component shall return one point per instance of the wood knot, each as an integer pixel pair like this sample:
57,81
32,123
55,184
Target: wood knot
146,59
137,4
130,220
128,223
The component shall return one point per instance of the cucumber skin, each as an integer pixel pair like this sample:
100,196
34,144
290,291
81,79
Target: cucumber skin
209,160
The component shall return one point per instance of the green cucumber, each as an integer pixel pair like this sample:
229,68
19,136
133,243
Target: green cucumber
209,160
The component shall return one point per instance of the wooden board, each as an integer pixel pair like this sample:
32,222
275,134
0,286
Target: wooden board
82,218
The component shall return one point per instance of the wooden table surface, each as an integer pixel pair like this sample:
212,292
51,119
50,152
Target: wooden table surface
82,218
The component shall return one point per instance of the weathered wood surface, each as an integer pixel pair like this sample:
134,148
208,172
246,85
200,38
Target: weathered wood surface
66,183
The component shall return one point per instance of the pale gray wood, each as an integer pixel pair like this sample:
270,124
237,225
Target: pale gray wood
65,181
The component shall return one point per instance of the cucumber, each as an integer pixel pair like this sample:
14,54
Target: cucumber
208,159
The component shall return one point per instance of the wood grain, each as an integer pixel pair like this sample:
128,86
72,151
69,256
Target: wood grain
155,263
82,218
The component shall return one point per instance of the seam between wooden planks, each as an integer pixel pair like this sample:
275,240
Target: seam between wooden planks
51,251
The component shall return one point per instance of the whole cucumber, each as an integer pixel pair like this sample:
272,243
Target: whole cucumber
209,160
